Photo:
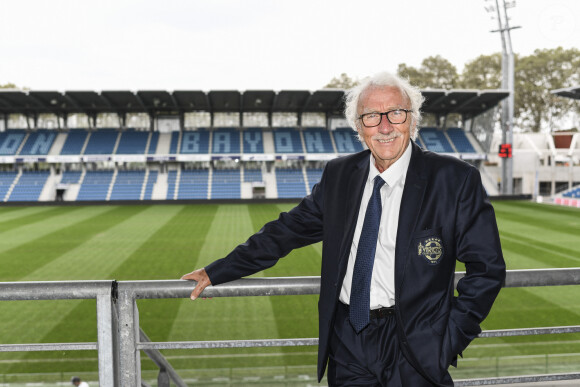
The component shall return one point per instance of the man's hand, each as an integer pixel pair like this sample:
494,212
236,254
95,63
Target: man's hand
202,279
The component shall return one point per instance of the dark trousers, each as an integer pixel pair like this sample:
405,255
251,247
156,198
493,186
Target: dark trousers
370,358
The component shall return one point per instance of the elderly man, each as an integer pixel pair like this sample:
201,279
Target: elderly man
393,220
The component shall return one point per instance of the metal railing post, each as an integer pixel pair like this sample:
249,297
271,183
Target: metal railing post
106,341
129,356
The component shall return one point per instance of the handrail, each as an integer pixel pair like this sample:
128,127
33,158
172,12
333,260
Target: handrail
101,291
130,291
120,339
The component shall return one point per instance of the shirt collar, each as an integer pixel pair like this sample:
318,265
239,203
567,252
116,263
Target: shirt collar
396,171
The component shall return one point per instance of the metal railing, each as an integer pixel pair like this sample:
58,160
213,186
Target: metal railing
101,291
120,339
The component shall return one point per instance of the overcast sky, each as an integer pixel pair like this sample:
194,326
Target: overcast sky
254,44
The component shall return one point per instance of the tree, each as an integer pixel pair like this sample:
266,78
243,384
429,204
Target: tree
343,81
435,72
484,72
535,76
8,86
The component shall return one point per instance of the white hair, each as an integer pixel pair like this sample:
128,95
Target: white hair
383,79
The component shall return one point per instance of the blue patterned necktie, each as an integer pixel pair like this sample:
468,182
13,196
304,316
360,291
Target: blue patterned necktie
360,292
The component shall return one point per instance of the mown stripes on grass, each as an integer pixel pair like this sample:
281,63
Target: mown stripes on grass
96,258
166,241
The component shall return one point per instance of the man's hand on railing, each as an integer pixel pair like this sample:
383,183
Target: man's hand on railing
202,279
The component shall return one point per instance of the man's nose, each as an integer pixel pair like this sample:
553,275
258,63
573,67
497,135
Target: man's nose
385,126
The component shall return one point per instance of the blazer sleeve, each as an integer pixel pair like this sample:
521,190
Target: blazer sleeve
478,247
301,226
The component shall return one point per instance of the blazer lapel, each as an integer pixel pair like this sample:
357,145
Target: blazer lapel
415,184
354,193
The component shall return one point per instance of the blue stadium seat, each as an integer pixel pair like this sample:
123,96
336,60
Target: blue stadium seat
6,180
290,183
435,140
132,142
151,180
287,140
317,140
38,143
102,142
75,140
573,193
460,141
128,185
95,185
196,142
153,143
253,175
225,141
10,141
346,141
29,186
253,141
313,175
171,184
174,145
225,184
193,184
71,177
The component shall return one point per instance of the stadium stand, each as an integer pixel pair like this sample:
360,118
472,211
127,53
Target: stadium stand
10,141
75,142
290,183
346,141
150,183
154,139
459,140
132,142
435,140
174,146
317,140
71,177
204,150
172,177
225,184
574,192
102,142
196,142
193,184
128,185
95,185
38,143
313,175
225,141
29,186
6,180
253,141
287,140
253,175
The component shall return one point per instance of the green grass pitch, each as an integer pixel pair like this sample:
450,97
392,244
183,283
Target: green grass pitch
146,242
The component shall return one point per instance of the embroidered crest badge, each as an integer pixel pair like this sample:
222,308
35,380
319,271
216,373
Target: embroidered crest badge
431,250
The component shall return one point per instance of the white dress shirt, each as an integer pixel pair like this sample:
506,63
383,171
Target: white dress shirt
383,279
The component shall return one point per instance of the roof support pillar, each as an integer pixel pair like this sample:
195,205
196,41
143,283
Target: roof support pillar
152,118
122,116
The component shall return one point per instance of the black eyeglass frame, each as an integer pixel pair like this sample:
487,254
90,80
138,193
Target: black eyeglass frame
407,111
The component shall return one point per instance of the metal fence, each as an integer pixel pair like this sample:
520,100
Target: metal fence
120,340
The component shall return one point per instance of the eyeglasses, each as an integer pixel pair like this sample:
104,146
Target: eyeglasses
397,116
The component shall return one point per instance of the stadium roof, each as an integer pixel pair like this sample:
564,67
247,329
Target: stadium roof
330,101
568,92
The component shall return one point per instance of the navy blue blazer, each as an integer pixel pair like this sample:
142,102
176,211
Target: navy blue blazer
445,215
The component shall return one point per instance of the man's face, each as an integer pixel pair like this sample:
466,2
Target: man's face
387,141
